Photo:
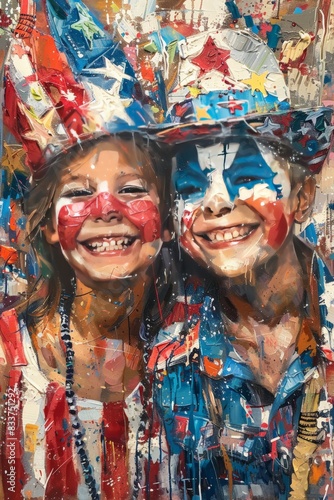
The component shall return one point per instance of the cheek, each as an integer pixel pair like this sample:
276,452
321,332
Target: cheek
278,220
143,214
187,222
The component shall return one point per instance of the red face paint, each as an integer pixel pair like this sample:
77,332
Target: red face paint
143,214
277,219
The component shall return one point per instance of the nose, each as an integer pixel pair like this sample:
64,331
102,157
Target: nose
217,200
106,208
109,215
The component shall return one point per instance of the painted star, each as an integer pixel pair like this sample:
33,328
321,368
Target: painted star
12,160
268,127
314,116
41,129
327,133
110,70
194,92
256,82
202,114
87,25
107,106
212,57
232,105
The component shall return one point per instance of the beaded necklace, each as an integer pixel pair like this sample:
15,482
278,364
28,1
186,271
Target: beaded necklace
65,305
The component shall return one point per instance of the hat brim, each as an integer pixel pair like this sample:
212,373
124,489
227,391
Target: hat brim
305,133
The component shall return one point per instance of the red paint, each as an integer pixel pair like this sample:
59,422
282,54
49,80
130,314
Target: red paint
212,58
276,219
143,214
114,463
11,334
60,469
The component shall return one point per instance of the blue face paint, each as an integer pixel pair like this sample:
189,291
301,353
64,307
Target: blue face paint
247,169
190,181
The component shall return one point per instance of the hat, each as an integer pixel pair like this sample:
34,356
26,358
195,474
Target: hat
230,82
65,81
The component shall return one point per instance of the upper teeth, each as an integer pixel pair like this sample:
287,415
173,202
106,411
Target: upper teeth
230,233
107,245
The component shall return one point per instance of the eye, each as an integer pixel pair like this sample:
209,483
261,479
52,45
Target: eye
132,189
77,193
247,179
189,190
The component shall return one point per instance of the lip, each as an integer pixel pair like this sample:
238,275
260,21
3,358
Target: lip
226,236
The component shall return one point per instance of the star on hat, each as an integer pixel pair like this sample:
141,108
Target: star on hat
212,57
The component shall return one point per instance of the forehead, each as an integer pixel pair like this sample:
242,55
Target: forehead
106,159
224,155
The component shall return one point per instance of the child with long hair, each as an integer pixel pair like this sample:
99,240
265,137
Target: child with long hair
77,420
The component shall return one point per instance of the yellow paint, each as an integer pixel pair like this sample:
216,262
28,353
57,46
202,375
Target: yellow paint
31,437
256,82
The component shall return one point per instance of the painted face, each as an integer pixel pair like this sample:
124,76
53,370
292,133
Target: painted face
235,205
106,213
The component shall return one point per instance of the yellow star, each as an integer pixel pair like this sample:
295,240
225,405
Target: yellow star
202,114
194,92
256,82
12,160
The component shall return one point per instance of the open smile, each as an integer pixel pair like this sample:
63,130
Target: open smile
220,236
109,243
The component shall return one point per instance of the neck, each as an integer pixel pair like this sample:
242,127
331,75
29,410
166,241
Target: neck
263,316
109,314
270,292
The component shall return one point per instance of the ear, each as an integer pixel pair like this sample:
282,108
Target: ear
50,231
305,195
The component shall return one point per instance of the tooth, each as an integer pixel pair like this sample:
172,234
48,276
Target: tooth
119,242
126,241
105,244
219,237
228,236
112,243
235,233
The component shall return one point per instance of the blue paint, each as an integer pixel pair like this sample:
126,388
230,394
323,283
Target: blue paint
248,169
233,9
190,181
84,53
273,36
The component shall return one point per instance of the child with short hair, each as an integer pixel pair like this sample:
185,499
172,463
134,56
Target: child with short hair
242,382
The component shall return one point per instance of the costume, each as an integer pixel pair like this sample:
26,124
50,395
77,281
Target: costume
229,436
39,458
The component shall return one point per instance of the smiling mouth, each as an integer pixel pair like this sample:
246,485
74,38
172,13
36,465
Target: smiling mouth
109,244
229,234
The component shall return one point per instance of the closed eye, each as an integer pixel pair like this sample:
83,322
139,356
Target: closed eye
189,190
77,193
247,180
132,190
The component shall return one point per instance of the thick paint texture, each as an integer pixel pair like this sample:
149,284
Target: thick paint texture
131,370
143,214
